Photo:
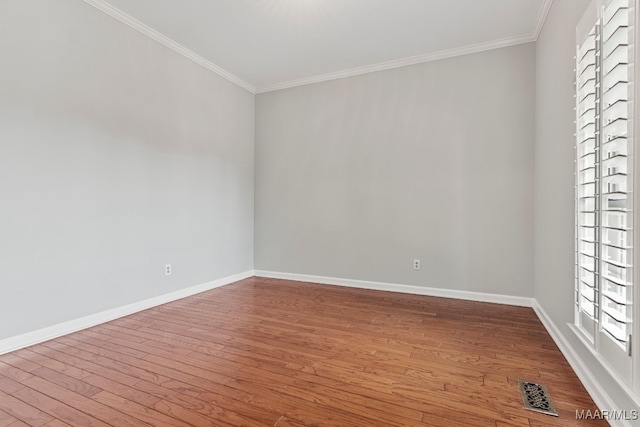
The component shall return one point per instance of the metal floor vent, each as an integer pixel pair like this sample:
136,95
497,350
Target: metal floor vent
535,397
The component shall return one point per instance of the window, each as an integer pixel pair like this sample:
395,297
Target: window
604,183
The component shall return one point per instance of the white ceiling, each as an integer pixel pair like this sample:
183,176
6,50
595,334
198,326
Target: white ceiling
269,44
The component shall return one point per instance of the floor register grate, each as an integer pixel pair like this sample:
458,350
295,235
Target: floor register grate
535,397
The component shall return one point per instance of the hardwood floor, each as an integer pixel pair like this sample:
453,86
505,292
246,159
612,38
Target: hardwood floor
266,352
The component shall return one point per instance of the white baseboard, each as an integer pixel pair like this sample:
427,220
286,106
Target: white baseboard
601,398
407,289
51,332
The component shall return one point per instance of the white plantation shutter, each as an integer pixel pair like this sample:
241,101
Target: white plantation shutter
587,285
616,169
604,179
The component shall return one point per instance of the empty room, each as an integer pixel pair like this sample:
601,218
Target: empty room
293,213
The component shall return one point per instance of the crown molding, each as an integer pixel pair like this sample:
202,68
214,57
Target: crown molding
166,41
128,20
418,59
542,17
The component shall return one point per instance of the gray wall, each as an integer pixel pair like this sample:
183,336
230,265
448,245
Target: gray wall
554,182
117,156
357,177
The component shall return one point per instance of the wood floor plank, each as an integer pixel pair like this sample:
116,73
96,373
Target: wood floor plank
9,386
269,352
53,364
107,362
194,418
18,362
70,383
82,368
6,419
57,409
122,390
145,414
13,373
89,406
22,411
56,423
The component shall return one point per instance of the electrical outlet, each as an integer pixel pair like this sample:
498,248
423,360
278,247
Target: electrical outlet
167,270
416,264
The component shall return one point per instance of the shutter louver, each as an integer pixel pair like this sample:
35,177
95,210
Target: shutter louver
587,182
616,211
